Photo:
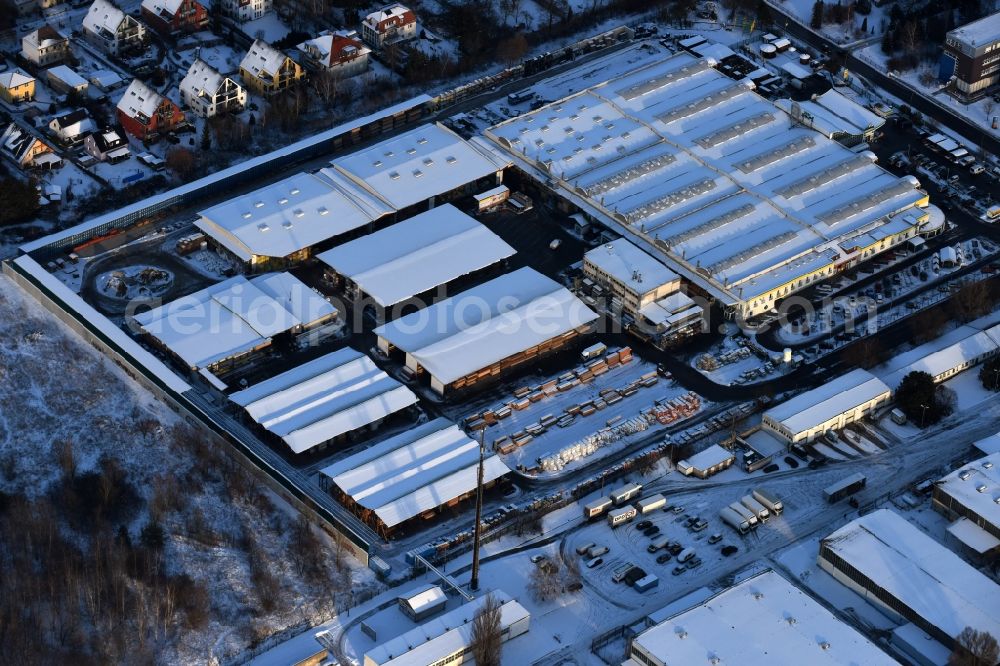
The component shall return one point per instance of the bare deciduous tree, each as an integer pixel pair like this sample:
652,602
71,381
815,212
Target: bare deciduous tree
545,582
975,648
485,642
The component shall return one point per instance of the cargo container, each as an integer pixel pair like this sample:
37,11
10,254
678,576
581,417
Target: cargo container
770,500
651,503
845,487
646,583
597,508
626,493
621,515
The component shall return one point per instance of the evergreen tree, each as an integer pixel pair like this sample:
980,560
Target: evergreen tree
816,22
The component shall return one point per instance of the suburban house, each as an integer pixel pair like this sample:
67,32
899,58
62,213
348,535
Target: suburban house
112,30
73,127
26,151
107,146
266,70
392,24
169,17
244,10
146,114
64,80
208,93
45,46
16,85
340,53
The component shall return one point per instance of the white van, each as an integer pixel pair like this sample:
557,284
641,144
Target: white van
685,555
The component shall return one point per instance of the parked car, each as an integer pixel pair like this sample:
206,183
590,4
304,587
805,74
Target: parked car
596,562
715,538
664,558
678,509
643,524
651,531
729,550
535,559
791,462
678,570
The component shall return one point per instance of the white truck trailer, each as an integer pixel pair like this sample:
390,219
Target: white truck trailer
734,520
762,513
621,515
770,500
747,514
651,503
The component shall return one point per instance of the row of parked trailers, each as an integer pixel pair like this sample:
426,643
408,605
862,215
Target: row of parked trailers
618,498
751,510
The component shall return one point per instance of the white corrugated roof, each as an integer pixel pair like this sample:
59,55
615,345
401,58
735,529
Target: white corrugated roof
321,399
416,165
486,324
952,356
977,487
828,401
287,216
708,458
424,597
763,621
925,576
414,472
233,316
418,254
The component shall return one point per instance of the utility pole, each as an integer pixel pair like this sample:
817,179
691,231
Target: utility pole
474,583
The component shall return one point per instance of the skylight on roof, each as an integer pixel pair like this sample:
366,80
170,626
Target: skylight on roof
394,175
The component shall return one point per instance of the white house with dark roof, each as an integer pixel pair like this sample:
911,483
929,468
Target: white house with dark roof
72,127
112,30
107,146
208,93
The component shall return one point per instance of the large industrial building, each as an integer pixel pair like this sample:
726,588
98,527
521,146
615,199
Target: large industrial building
728,190
643,288
942,363
222,326
910,576
411,258
832,406
324,401
970,62
283,223
473,337
970,496
763,621
446,640
413,474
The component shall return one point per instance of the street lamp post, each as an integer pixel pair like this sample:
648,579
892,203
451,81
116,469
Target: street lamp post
923,411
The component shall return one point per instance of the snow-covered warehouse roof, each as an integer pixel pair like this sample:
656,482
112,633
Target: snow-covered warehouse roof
708,458
323,398
486,324
988,445
233,317
828,401
287,216
634,268
418,254
976,346
936,584
414,472
423,597
416,165
751,624
724,184
976,486
444,635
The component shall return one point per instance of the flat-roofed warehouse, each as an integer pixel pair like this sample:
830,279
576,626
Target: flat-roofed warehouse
480,333
279,225
220,327
970,496
285,222
723,186
324,401
763,621
910,576
414,474
831,406
420,168
413,257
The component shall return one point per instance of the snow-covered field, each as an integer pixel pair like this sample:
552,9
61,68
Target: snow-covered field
57,389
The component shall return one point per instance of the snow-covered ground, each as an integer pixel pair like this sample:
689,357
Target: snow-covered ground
58,389
268,27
